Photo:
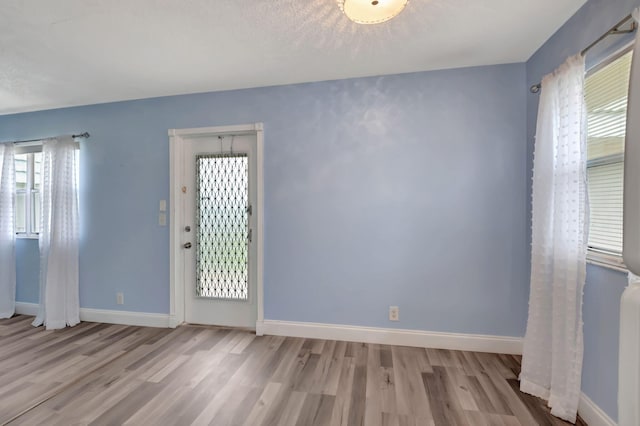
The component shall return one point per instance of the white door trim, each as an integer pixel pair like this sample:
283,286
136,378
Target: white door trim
176,266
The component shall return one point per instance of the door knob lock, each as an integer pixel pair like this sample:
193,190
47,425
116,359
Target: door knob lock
187,245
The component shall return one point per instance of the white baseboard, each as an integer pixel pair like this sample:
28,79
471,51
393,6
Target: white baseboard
143,319
593,414
392,336
173,321
107,316
24,308
387,336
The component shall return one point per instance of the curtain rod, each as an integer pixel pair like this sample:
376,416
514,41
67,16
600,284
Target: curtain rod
84,135
615,30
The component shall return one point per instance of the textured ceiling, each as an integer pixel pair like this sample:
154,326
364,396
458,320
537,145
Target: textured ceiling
77,52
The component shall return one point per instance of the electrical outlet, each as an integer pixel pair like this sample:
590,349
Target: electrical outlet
120,298
394,313
162,219
163,205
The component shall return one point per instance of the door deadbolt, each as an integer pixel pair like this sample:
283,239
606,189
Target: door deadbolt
187,245
187,228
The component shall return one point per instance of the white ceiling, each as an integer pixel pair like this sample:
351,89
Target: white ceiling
77,52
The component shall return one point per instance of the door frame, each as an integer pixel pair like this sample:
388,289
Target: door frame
176,171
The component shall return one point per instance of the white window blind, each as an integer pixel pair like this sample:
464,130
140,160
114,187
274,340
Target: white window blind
606,98
605,197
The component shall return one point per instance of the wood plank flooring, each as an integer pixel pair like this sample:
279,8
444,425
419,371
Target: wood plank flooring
99,374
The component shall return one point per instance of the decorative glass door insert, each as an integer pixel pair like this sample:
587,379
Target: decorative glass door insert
222,226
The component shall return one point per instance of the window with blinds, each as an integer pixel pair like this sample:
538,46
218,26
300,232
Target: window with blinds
606,98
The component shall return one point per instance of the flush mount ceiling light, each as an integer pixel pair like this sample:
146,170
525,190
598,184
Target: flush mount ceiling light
371,11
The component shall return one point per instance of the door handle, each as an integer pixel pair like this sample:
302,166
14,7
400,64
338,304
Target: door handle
187,245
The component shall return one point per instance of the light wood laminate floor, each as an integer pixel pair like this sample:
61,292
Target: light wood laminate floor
102,374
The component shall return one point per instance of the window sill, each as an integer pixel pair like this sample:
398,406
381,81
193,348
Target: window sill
605,260
26,236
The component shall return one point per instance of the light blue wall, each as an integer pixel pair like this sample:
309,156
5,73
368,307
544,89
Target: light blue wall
603,288
601,315
27,271
403,190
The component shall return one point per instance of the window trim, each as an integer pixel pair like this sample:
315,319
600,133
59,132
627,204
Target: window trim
28,148
606,260
23,236
28,191
597,257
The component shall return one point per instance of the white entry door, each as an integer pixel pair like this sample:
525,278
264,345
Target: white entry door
219,229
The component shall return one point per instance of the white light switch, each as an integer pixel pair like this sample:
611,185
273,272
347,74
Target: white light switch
162,219
163,205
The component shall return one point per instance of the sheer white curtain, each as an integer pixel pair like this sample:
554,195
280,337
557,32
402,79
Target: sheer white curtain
7,232
553,346
59,237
